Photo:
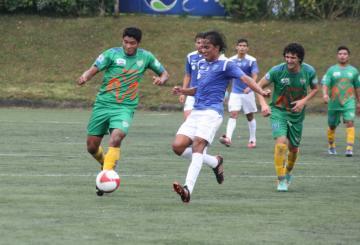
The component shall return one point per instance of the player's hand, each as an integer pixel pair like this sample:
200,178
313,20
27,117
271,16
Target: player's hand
298,105
176,90
266,93
182,99
326,98
265,110
81,80
157,80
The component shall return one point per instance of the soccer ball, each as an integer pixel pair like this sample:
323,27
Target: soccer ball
107,181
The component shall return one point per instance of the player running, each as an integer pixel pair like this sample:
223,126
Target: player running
287,108
241,96
118,97
199,129
341,87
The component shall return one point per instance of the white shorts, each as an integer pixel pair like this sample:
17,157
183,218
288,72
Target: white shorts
246,102
189,103
202,124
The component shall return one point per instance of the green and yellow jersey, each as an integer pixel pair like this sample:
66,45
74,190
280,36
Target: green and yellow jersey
290,87
341,82
122,76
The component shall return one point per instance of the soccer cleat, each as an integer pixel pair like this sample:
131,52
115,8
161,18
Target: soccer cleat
349,153
225,140
183,192
288,178
282,186
99,192
252,144
219,170
332,151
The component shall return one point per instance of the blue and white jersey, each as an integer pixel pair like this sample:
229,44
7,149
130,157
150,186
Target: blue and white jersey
249,66
213,79
191,66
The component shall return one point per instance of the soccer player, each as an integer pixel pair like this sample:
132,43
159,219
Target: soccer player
118,98
189,79
287,108
341,90
198,130
241,96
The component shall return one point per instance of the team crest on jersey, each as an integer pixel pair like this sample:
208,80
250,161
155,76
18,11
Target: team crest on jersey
302,81
336,74
139,63
285,81
214,67
120,62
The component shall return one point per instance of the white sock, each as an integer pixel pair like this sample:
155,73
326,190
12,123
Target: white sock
230,127
252,130
209,160
194,170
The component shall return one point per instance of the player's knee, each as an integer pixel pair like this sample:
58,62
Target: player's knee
177,148
92,148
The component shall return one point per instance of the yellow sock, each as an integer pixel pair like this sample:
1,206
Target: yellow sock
279,159
350,138
331,137
292,156
99,155
111,157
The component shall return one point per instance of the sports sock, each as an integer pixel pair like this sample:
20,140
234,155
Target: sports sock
99,155
230,127
331,137
350,138
209,160
279,159
292,157
194,170
111,157
252,130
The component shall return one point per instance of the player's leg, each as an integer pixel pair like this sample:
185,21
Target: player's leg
333,122
234,105
120,122
94,148
249,108
349,117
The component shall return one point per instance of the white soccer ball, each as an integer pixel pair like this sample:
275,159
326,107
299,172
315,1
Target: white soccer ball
107,181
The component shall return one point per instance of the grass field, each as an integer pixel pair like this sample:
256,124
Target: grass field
48,197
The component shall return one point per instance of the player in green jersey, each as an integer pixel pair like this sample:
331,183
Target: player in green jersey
291,81
341,90
118,97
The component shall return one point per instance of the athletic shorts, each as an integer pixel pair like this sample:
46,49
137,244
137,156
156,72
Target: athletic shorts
104,119
189,103
246,102
281,126
201,123
334,116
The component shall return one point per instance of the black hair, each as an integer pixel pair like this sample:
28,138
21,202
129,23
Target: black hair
133,32
343,48
242,40
199,35
295,48
216,39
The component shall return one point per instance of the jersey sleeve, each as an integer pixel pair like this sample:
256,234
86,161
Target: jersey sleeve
155,65
326,79
187,66
313,78
270,75
233,71
103,60
357,80
254,68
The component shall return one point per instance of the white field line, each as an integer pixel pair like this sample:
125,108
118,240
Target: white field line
168,176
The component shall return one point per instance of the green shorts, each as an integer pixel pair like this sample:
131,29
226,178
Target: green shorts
281,125
334,116
104,119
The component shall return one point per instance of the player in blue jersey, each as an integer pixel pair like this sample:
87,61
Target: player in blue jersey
198,130
189,79
241,96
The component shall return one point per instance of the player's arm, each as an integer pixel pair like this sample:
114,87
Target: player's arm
265,108
177,90
254,76
254,86
186,82
299,104
162,79
325,92
87,75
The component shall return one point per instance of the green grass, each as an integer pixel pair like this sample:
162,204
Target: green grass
48,197
41,57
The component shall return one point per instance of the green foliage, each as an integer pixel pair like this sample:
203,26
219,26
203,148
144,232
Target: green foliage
245,8
329,9
12,5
